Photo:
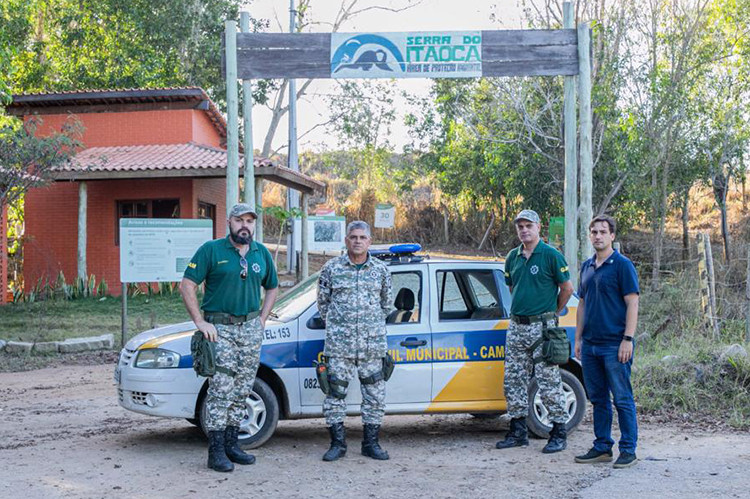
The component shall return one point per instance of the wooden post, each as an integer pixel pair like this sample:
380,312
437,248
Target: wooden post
233,151
124,315
584,112
259,204
82,206
247,116
703,279
570,195
711,286
304,243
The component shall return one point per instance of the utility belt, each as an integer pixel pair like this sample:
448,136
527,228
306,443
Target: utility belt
229,319
336,387
533,319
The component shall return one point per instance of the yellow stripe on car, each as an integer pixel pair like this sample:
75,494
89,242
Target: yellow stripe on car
157,342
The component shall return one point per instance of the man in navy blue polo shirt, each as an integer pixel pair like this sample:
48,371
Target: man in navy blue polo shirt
605,325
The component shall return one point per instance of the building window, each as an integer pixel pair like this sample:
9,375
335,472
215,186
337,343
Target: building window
208,212
145,208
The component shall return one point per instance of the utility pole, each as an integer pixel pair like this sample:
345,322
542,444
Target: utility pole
292,196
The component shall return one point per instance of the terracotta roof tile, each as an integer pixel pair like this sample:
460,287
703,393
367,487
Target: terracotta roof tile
151,157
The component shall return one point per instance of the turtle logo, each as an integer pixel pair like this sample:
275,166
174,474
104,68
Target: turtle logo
534,270
366,51
256,268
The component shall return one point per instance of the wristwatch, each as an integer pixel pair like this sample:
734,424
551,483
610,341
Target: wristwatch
627,338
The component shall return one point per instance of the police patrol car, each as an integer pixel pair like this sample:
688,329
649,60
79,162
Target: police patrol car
446,333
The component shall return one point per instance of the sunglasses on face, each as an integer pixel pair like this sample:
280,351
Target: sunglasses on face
243,264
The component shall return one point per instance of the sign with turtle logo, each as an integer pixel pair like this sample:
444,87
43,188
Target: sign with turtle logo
443,54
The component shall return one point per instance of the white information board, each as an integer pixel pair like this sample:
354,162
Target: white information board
324,233
385,216
159,249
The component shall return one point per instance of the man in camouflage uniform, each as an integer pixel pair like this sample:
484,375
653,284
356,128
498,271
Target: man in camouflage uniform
234,269
534,271
354,297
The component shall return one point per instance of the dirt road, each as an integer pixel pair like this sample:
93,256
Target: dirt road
63,435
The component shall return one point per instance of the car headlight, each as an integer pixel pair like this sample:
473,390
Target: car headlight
157,358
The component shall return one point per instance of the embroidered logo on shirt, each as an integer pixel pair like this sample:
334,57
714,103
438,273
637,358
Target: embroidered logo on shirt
534,270
563,269
192,265
221,261
256,268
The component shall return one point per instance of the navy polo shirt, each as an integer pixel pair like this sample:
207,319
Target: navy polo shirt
603,290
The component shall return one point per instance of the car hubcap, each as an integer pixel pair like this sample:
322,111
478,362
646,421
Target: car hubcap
571,404
255,417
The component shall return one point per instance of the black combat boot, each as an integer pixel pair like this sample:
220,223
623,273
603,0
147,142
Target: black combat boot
217,457
370,446
232,448
338,442
557,439
517,436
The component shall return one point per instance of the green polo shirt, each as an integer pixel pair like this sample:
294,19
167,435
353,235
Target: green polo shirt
535,281
218,263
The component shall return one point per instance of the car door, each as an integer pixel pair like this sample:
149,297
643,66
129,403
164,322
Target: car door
409,339
469,320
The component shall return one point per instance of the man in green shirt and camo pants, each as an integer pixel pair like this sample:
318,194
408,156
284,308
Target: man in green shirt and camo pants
535,272
234,268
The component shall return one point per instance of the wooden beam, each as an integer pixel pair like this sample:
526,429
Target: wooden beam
304,243
289,178
584,111
570,191
233,151
504,53
247,117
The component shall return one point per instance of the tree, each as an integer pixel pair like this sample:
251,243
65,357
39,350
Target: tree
27,161
104,44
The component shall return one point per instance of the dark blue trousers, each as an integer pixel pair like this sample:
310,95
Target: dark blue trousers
603,375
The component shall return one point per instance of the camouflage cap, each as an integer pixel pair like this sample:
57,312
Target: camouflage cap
529,215
241,209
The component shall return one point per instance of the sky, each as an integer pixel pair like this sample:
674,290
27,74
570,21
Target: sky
438,15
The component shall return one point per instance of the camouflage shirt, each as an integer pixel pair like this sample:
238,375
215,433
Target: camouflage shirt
354,303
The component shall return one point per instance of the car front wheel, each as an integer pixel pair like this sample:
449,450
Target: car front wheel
575,405
260,419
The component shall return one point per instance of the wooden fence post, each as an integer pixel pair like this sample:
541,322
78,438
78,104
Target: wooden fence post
703,279
708,282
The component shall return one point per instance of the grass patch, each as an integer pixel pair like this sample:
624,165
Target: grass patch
55,320
679,367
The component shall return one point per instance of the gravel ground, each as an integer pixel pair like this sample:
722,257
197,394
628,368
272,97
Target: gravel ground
63,435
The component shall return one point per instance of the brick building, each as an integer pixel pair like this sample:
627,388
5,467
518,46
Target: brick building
156,153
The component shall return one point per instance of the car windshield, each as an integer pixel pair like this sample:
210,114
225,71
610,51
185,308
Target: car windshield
296,301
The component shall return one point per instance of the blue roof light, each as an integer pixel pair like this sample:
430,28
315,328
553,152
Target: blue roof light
401,249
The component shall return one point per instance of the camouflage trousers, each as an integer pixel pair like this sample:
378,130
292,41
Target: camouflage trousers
238,349
373,396
519,366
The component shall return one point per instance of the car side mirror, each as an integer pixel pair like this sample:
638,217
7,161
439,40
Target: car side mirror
316,322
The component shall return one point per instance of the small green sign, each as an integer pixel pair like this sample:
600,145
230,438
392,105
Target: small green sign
557,232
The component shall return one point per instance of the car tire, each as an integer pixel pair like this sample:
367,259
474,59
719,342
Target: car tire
575,398
261,420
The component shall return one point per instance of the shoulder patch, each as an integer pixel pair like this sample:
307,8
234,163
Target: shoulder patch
192,265
563,269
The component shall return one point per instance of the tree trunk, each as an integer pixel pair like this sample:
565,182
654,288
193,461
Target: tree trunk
487,232
725,229
685,234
